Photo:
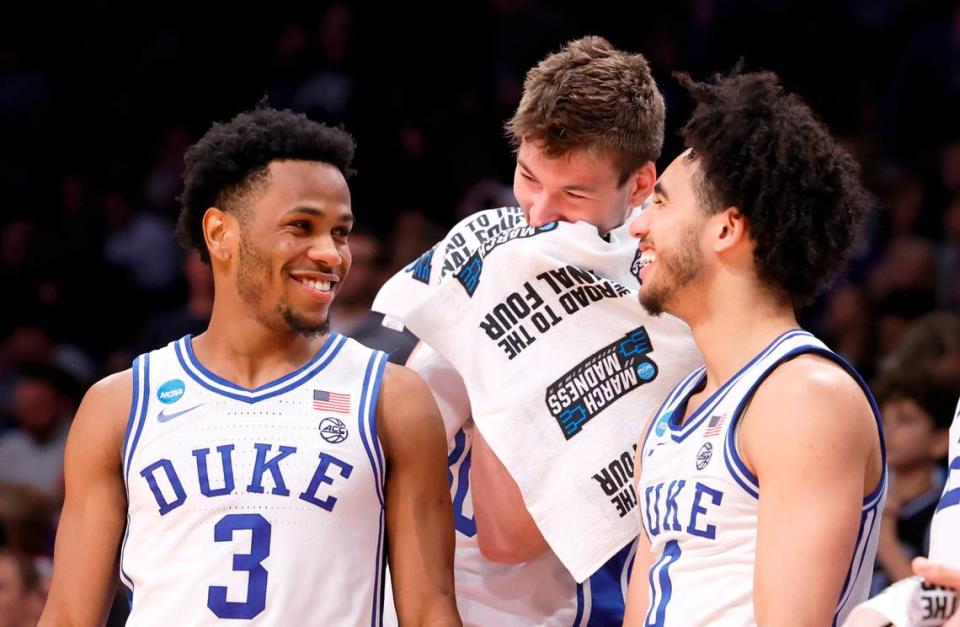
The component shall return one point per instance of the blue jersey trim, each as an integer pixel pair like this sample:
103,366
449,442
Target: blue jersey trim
124,577
376,609
195,370
731,446
743,483
371,387
703,412
142,418
579,617
863,535
372,415
131,417
607,603
679,390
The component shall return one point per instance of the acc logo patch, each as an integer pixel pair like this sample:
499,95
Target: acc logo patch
333,430
704,455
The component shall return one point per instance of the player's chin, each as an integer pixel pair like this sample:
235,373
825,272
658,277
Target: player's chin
307,320
651,300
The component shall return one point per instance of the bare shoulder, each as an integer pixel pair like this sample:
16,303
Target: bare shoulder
406,410
402,384
104,410
809,404
811,384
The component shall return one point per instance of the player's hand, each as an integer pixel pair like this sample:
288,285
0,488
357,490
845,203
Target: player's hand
940,575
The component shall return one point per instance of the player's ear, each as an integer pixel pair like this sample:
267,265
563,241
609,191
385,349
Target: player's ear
221,231
729,228
641,183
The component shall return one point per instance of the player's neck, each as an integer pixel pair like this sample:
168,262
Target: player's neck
244,351
732,327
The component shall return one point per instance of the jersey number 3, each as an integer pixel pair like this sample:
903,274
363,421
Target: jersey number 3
250,562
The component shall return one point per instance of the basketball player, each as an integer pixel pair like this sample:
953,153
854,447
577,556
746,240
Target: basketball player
763,472
587,133
254,473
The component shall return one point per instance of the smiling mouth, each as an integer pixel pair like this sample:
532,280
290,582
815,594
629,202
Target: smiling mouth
320,286
647,257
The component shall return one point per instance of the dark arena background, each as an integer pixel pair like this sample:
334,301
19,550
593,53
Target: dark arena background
99,100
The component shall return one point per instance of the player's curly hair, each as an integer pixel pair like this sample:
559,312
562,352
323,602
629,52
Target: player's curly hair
764,151
232,158
592,96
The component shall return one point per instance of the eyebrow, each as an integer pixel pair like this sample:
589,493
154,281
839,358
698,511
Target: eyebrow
658,189
319,213
569,188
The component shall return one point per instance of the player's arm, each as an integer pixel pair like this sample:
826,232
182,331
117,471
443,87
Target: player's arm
810,438
638,594
418,510
506,532
93,517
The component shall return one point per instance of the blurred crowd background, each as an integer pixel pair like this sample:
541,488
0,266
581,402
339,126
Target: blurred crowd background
99,100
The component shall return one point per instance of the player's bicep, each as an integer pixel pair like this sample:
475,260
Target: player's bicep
93,516
418,509
810,449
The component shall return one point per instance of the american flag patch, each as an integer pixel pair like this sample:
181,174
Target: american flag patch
715,426
331,401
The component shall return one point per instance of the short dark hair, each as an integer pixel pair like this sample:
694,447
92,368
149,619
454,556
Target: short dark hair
592,96
764,151
936,396
232,157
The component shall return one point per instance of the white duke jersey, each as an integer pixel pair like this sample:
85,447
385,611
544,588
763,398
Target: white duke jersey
699,501
538,593
260,506
945,528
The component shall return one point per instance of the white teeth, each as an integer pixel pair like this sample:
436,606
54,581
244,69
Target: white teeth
647,257
320,286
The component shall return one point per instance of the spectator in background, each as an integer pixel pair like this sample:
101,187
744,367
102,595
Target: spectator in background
848,327
931,342
948,257
917,411
22,590
44,399
192,317
141,243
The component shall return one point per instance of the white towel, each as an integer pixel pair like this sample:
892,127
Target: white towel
908,603
561,363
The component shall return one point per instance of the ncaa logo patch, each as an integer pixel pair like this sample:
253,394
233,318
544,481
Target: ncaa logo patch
171,391
704,455
333,430
661,426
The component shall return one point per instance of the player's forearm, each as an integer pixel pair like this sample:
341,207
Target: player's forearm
506,532
77,611
440,611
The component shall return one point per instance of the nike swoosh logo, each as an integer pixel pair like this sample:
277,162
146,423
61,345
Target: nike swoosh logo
165,417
